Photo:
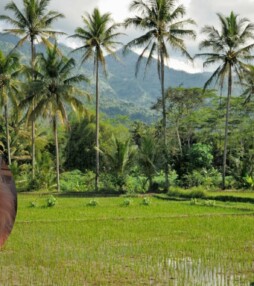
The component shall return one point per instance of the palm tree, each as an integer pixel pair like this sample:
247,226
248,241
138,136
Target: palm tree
53,90
9,86
32,23
120,159
248,83
230,48
148,157
99,37
164,26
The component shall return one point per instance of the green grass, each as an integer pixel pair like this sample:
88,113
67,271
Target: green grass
164,243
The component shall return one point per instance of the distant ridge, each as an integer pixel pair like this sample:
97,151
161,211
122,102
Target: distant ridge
121,92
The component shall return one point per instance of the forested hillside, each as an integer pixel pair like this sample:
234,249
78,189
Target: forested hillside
122,93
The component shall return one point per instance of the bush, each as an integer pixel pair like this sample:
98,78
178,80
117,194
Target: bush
195,193
107,183
200,156
249,181
44,180
231,182
76,181
205,178
159,181
137,184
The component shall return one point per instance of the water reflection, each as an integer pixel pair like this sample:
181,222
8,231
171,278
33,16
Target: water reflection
187,271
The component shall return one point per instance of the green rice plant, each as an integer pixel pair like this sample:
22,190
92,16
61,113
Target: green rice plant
210,203
146,201
197,192
195,245
92,203
33,204
127,202
50,201
193,201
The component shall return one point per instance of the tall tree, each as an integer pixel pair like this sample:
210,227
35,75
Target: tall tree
248,83
9,86
230,47
164,26
99,37
33,23
54,89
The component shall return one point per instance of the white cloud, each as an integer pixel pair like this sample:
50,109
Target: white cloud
203,12
118,9
190,67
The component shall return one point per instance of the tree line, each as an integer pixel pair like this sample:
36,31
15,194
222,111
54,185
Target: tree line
49,87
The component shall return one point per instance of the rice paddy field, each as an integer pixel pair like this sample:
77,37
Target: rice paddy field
129,241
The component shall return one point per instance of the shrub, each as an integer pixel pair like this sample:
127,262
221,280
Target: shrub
248,182
159,181
137,184
77,181
204,177
107,183
200,156
195,193
230,182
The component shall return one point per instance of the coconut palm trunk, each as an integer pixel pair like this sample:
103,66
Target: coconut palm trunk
53,90
31,22
33,53
57,154
164,122
9,88
98,36
163,24
231,48
97,127
226,127
6,116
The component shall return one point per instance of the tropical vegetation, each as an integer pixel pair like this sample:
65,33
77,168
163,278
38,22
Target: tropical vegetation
32,23
163,25
231,49
128,188
98,36
185,145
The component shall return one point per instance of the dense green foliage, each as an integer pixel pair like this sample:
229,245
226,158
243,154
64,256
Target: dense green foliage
182,134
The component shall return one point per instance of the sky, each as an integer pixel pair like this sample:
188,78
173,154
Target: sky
202,11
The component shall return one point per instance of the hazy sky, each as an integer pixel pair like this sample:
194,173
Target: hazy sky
202,11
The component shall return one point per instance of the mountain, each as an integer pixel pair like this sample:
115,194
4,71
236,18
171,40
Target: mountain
121,92
145,88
